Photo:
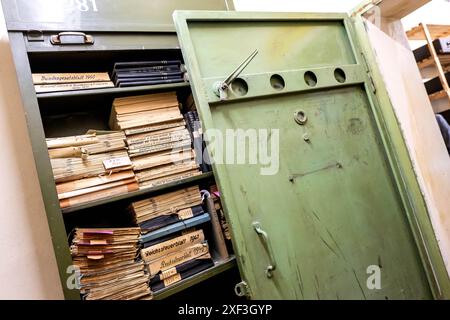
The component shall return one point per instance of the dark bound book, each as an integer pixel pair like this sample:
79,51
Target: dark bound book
206,159
166,220
136,75
150,82
184,270
144,64
121,81
148,69
194,127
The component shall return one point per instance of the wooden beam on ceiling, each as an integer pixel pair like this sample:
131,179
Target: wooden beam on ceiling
397,9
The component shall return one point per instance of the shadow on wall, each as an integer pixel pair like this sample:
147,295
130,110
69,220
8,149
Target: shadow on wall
28,267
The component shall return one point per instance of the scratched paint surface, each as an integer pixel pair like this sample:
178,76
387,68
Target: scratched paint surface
339,214
332,209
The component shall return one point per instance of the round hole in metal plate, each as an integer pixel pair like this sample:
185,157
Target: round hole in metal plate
300,117
310,78
277,82
339,75
239,87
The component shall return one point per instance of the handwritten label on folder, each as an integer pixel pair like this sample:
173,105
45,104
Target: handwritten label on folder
116,163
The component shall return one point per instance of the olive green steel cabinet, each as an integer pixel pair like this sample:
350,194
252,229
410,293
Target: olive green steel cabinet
340,205
343,203
133,30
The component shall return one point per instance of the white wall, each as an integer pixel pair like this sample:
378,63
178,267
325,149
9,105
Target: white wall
27,263
296,5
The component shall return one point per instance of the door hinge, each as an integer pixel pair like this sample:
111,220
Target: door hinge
369,74
242,290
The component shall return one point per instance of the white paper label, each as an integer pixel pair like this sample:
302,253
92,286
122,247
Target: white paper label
168,273
116,163
171,280
185,214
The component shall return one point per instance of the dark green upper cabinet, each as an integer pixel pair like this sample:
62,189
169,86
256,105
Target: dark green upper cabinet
334,209
101,15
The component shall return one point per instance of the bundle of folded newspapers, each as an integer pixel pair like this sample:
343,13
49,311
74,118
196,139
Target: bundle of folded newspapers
106,260
175,259
159,144
162,210
90,167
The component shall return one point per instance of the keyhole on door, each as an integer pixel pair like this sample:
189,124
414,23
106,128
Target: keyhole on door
300,117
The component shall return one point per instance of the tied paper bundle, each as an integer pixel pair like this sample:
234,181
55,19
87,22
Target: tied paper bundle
90,167
54,82
141,73
160,211
173,260
215,195
107,264
159,144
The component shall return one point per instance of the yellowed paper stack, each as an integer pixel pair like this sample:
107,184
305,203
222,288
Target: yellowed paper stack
159,144
107,264
170,261
91,167
172,203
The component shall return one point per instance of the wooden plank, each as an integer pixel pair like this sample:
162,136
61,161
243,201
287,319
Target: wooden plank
438,95
440,105
388,9
420,130
425,63
397,9
443,58
435,57
436,31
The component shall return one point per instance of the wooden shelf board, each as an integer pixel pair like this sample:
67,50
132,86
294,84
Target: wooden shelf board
436,31
112,91
443,58
195,279
439,95
440,105
146,191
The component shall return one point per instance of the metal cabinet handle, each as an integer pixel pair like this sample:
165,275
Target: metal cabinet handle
87,39
266,243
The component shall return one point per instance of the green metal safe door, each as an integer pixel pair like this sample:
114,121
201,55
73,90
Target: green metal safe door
334,211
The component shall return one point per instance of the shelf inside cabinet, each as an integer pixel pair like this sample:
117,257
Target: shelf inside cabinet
444,59
439,95
219,267
146,191
113,91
